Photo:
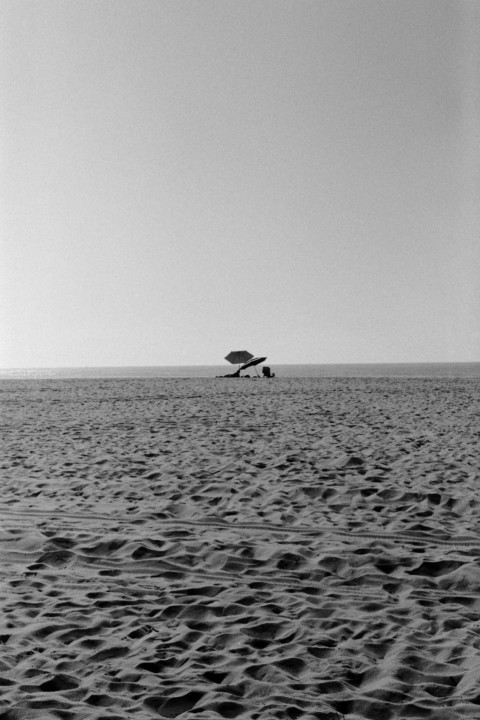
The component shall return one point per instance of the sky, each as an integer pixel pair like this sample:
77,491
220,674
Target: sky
183,178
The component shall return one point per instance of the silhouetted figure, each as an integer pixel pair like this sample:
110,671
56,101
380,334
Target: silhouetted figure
235,374
266,372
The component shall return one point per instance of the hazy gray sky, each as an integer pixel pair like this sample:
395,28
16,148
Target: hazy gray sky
181,178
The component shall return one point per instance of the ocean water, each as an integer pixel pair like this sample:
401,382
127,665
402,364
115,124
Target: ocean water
374,370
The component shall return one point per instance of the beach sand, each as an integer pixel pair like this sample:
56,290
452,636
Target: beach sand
270,549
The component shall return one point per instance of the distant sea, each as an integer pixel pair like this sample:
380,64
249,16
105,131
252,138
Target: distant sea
373,370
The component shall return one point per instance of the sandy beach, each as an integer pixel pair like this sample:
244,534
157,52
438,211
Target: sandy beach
271,550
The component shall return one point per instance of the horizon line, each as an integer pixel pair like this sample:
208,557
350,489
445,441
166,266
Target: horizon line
95,367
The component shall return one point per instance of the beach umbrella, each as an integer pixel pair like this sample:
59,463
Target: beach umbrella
253,362
237,357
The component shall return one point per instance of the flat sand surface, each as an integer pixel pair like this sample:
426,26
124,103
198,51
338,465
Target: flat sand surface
270,549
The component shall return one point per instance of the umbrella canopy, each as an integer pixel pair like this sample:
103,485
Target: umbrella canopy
252,362
236,357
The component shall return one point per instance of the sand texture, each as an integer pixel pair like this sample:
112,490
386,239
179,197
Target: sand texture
270,549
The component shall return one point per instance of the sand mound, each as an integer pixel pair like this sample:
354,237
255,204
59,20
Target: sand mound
266,550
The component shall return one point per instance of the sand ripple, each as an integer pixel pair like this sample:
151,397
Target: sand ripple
267,550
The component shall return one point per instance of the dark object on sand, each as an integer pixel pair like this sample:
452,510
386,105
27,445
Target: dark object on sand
236,374
250,361
267,372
